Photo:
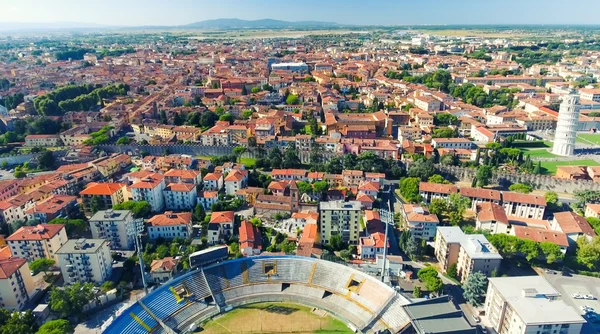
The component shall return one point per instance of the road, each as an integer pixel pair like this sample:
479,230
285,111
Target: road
389,197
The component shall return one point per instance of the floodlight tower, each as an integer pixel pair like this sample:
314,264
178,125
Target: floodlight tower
135,229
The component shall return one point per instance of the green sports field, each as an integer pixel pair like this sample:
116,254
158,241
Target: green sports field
589,138
549,167
274,318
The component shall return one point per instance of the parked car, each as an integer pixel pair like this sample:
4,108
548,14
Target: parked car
589,297
476,318
576,296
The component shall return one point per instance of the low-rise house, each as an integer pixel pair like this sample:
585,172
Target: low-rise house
352,178
452,143
369,188
208,198
164,269
170,225
573,225
372,246
213,181
220,226
180,196
491,217
592,210
54,207
430,191
571,173
85,260
289,174
42,140
541,235
250,239
235,181
421,223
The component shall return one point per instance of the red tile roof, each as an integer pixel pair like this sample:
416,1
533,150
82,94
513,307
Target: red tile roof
523,198
541,235
9,266
222,217
481,193
99,189
38,232
182,187
170,218
165,264
438,188
571,222
491,211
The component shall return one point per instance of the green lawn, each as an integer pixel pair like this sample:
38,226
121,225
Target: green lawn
526,144
549,167
589,138
249,162
538,153
273,318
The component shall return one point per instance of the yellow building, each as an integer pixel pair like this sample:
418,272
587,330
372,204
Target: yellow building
16,284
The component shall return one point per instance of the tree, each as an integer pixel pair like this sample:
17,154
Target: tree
304,187
17,322
538,168
199,213
59,326
46,160
227,117
321,188
484,175
448,159
437,178
336,243
140,209
520,188
292,99
124,140
429,276
457,205
256,222
208,119
288,247
290,158
452,271
70,300
74,227
238,151
96,204
409,189
42,265
551,252
588,253
422,169
417,293
107,286
475,287
19,174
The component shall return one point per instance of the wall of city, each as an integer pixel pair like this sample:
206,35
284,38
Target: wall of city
541,182
193,150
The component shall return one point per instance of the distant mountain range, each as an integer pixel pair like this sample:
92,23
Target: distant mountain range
208,24
257,24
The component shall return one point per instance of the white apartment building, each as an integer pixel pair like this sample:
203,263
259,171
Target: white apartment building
529,304
471,253
180,196
85,260
208,198
112,226
37,242
16,284
235,181
590,94
492,218
150,189
170,225
452,143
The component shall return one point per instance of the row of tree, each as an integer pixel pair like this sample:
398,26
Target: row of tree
76,98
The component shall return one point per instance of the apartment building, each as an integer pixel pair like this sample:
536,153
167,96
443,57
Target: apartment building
524,205
430,191
373,245
573,225
112,226
42,140
235,181
220,226
421,223
16,284
492,218
529,304
470,253
479,196
212,181
170,225
37,242
590,94
180,196
110,193
452,143
340,218
150,189
183,176
85,260
54,207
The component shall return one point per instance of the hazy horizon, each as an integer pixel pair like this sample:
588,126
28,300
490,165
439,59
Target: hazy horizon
374,12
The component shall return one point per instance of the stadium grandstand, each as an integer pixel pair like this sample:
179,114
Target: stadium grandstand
362,302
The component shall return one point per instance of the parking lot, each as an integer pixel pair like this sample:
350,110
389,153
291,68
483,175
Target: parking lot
582,285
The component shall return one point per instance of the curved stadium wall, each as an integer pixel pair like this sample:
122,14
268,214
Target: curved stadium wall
361,301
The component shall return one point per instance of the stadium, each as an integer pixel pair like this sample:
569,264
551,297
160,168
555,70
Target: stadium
361,302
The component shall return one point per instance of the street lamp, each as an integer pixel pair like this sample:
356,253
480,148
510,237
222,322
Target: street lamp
135,228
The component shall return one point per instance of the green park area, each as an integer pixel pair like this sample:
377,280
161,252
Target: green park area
549,167
589,138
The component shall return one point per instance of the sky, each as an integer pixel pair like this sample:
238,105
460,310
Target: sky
360,12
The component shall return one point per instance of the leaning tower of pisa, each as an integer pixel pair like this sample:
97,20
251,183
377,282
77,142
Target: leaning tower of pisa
566,127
